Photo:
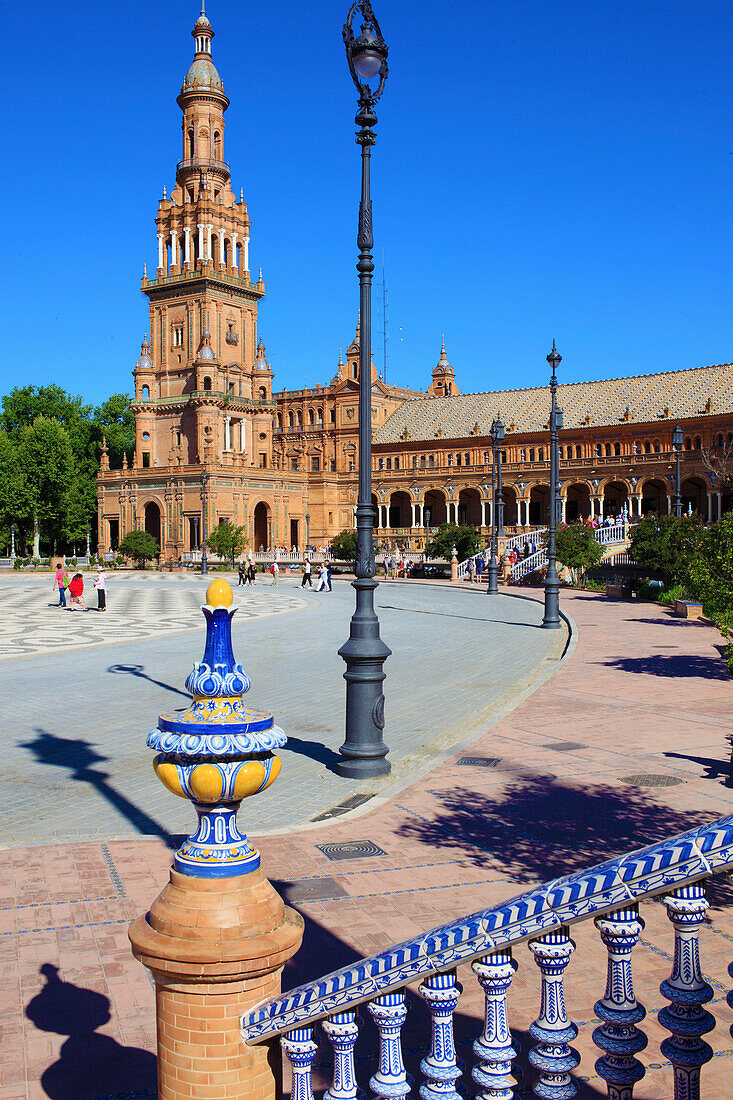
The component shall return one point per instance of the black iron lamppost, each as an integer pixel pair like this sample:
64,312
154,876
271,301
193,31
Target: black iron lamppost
307,533
497,503
204,560
551,619
427,513
363,752
677,444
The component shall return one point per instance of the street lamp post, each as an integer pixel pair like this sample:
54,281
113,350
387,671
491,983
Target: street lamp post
204,560
307,532
497,503
89,549
363,753
551,619
426,512
677,444
13,532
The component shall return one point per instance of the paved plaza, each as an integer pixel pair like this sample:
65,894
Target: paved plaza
505,775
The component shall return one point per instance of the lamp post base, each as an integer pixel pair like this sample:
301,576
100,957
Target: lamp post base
363,752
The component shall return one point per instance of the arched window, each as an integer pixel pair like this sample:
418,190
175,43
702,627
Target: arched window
191,143
688,444
617,449
310,418
431,460
720,439
146,393
354,369
541,454
647,447
279,422
657,448
458,459
598,450
291,420
319,418
467,459
263,393
207,384
300,419
608,450
577,451
217,145
332,416
698,443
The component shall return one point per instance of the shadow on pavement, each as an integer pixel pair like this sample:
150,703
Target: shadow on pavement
715,769
89,1064
314,751
451,615
80,757
673,666
139,671
539,829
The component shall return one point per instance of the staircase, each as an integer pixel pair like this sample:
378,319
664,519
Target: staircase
675,870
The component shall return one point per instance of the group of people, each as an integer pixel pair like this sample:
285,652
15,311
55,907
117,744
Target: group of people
610,520
247,573
74,585
324,576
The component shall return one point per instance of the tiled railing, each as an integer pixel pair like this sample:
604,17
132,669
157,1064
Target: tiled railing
524,566
610,895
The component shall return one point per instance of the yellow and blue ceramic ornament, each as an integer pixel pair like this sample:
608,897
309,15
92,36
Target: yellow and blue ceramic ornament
217,751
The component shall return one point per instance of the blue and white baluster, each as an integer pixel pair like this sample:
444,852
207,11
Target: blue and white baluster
553,1056
688,992
441,992
495,1048
389,1012
619,1009
300,1050
343,1031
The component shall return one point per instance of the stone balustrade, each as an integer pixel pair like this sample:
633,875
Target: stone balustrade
608,894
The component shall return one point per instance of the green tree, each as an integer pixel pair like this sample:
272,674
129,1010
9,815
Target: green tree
114,420
577,547
667,545
465,539
710,573
227,541
343,545
46,468
11,508
140,546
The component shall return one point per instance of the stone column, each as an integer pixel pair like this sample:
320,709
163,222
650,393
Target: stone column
669,504
710,507
200,228
483,513
174,247
420,514
414,514
719,495
233,262
186,245
160,252
222,242
209,231
454,566
227,433
564,503
245,249
217,937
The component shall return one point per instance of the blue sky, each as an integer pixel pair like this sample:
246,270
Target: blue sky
543,169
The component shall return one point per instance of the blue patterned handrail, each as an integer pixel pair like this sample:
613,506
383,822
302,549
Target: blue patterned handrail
613,885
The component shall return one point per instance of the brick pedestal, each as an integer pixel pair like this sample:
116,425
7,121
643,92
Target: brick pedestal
216,948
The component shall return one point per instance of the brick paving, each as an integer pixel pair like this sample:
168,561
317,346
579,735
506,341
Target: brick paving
642,695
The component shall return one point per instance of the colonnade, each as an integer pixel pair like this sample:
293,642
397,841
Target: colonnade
181,251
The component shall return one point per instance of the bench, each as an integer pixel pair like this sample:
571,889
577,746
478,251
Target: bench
688,609
614,591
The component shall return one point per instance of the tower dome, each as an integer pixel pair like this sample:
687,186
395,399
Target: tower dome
202,75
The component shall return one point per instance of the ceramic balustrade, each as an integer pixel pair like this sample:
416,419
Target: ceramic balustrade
608,894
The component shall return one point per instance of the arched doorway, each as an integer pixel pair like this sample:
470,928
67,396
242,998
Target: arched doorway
469,508
434,509
262,525
152,521
615,498
539,505
654,498
400,510
694,496
577,502
511,506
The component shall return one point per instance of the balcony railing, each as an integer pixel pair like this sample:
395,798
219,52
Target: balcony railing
203,162
208,271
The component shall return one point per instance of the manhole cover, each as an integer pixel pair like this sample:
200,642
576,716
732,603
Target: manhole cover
564,746
651,780
479,761
311,889
349,803
351,849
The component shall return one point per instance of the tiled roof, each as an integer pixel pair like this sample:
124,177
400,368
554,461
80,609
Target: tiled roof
683,393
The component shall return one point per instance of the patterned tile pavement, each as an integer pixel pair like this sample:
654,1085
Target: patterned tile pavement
642,693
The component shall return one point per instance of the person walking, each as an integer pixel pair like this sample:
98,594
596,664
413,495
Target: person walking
100,583
328,576
307,570
61,581
241,579
479,568
471,570
76,592
251,573
322,578
275,570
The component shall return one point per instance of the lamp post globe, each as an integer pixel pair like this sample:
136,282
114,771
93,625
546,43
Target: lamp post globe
677,444
363,753
551,620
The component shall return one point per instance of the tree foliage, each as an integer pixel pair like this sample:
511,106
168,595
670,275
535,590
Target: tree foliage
57,496
465,539
577,547
667,545
709,573
343,545
227,541
140,546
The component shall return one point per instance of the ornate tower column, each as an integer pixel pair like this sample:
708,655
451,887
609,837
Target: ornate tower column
217,937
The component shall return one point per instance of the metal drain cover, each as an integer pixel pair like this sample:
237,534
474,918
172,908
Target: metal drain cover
564,746
351,849
651,780
479,761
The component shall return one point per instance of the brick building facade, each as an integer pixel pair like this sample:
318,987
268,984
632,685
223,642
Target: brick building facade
284,464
